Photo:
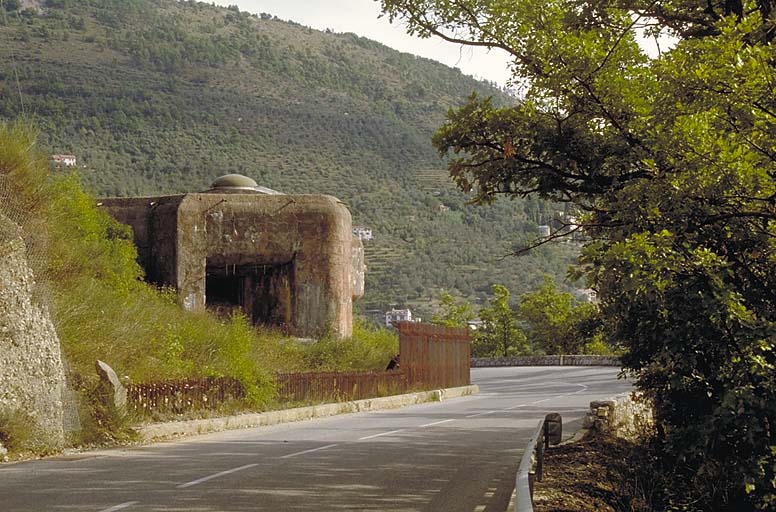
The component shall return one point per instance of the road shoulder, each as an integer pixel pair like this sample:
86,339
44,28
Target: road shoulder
174,429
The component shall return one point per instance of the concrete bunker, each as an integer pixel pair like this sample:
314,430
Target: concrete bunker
289,261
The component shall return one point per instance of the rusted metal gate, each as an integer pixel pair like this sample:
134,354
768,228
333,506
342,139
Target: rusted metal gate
433,356
178,396
339,385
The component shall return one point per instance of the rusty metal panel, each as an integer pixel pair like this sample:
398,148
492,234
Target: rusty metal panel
179,396
338,386
434,356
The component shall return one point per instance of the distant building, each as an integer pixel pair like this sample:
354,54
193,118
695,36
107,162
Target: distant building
586,295
399,315
63,161
475,325
569,227
363,233
544,231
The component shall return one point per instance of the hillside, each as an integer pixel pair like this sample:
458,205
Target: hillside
158,96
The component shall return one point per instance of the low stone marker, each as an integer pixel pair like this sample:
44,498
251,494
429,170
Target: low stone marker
113,387
553,429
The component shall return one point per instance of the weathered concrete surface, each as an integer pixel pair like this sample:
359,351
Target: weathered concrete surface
158,431
566,360
32,377
286,260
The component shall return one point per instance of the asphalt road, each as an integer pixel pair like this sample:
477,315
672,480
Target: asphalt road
458,455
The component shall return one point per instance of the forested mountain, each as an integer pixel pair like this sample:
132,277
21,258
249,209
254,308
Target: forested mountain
160,96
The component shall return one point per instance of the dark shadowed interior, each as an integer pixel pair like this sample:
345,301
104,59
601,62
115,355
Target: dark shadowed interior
264,293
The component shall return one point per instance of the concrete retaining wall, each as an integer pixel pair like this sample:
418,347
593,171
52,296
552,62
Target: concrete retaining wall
566,360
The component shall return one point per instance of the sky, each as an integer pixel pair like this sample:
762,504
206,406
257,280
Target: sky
362,17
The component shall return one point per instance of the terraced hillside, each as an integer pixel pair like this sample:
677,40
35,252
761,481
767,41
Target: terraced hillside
160,96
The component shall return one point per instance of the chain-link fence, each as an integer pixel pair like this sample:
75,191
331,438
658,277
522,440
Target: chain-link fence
22,201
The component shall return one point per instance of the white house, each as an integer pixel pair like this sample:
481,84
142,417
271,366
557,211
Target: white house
64,160
586,295
363,233
399,315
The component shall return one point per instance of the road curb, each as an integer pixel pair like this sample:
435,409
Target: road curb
160,431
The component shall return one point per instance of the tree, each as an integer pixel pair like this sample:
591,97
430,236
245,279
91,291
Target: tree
555,322
499,334
455,312
672,158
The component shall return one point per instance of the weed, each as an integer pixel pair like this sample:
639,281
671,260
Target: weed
16,429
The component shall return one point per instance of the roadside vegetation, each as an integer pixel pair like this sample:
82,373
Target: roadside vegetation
86,273
546,321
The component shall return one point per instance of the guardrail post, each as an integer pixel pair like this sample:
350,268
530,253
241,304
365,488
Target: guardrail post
539,460
547,433
553,429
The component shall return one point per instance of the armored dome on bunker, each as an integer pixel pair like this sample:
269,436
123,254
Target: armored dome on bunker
238,184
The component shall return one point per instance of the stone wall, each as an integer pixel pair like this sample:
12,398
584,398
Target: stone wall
567,360
628,416
32,378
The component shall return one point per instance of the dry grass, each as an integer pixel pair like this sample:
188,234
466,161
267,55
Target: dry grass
600,473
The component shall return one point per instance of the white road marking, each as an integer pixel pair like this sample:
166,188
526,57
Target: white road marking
436,423
584,388
120,506
481,414
308,451
382,434
210,477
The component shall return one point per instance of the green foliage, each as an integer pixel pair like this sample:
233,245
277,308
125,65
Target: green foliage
369,348
22,436
455,312
16,430
87,241
499,334
555,323
102,422
673,157
23,173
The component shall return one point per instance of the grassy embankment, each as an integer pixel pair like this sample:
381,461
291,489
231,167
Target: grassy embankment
86,274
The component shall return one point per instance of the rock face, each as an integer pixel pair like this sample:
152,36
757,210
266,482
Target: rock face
32,378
